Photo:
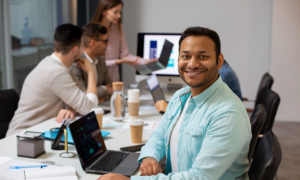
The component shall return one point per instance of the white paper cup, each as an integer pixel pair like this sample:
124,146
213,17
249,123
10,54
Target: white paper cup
133,95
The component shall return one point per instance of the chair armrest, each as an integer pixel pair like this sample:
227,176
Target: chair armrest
249,100
249,110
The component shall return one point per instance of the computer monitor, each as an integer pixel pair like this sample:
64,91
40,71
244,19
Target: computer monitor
150,45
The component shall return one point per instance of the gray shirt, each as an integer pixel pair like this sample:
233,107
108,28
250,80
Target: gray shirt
101,72
46,90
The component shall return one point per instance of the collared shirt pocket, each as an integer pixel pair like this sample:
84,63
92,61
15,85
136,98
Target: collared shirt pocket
193,138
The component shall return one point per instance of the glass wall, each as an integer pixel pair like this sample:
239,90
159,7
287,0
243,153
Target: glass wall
32,25
2,51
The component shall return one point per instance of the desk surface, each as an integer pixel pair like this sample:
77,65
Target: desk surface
113,142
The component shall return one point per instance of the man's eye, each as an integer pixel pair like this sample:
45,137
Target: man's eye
203,57
185,56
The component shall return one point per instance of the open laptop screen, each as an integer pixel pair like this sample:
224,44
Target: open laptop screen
155,88
87,138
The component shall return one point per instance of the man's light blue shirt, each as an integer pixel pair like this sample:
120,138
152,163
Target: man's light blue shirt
213,139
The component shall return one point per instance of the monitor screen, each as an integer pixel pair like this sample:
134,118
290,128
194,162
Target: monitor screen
150,46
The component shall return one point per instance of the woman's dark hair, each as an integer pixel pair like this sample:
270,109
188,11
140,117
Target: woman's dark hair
66,37
105,5
201,31
92,30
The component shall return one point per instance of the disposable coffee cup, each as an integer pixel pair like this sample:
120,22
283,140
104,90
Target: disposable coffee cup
133,95
136,130
133,103
99,114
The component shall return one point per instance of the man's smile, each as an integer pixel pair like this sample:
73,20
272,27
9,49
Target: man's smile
193,73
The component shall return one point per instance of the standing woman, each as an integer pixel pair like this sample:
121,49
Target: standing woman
108,14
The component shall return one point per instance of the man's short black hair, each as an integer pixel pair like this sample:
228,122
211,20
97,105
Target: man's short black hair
201,31
66,37
92,31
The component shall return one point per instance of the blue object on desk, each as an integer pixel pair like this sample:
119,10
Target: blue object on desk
22,167
47,135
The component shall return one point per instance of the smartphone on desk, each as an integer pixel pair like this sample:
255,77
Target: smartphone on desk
106,111
132,148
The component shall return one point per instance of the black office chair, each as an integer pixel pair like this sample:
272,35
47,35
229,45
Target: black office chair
8,105
265,82
258,119
266,159
271,101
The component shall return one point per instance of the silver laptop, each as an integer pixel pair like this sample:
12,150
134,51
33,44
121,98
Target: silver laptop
162,62
92,152
155,88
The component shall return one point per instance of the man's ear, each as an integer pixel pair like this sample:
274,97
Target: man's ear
75,50
92,43
220,61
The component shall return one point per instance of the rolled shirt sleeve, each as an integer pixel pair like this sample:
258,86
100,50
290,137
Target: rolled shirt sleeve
92,97
71,94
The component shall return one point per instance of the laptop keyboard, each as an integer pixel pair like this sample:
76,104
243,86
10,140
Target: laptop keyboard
110,161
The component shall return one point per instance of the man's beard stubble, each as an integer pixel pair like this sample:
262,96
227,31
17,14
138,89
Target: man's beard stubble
207,79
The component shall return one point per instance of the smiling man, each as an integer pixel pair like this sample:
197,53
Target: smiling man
205,132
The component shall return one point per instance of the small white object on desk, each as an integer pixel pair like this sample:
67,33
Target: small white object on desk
4,159
51,174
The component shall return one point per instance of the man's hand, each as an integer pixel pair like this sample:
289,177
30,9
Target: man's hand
112,176
65,114
109,89
85,65
151,60
150,167
128,61
161,105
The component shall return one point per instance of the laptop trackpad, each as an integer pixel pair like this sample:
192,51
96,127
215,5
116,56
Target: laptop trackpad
128,166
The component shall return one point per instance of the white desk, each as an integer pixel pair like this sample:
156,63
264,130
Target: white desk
113,142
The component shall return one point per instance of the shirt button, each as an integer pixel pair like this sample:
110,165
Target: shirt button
167,144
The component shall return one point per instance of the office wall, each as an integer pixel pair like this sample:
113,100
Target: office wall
2,49
40,15
285,64
244,28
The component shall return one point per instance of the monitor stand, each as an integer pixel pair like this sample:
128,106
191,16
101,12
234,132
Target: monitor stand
174,86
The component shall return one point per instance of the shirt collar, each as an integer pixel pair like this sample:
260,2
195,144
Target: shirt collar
201,98
55,57
91,61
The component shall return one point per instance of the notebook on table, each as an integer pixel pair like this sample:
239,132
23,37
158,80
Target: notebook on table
51,174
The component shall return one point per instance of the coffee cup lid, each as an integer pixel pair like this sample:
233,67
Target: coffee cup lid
136,122
98,110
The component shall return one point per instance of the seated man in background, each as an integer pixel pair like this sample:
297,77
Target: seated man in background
205,132
94,46
228,76
50,86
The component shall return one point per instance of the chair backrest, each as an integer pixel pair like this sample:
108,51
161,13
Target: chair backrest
258,120
266,159
271,101
265,82
8,105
